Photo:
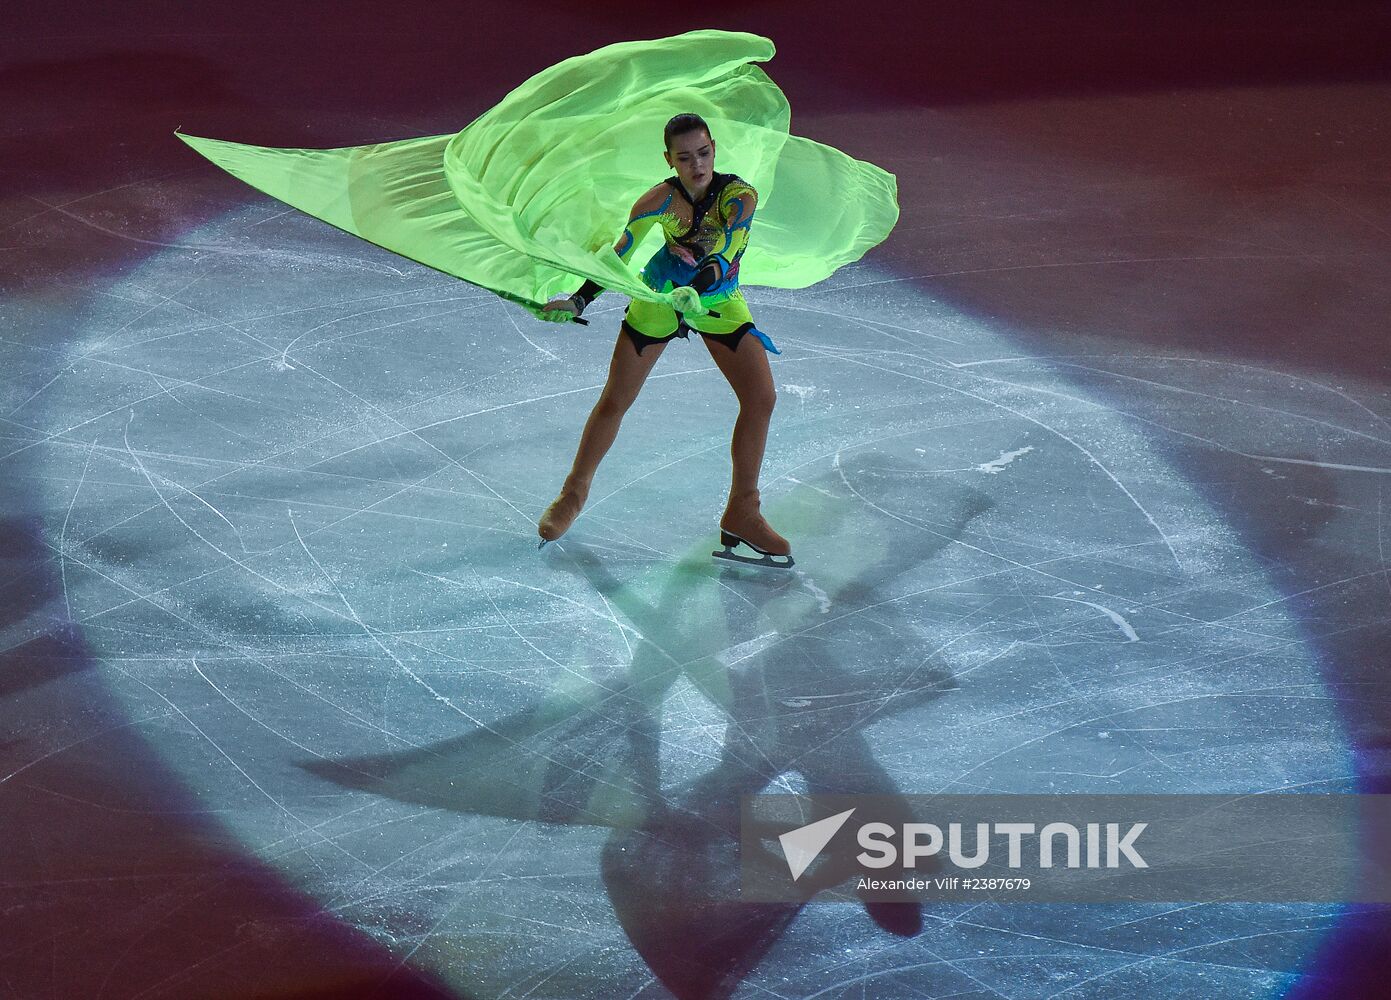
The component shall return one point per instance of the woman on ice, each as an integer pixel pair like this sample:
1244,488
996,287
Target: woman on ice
506,205
705,218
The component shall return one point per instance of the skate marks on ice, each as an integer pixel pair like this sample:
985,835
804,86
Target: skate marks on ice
794,708
324,562
573,710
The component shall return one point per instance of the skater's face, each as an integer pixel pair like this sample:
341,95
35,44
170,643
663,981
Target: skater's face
692,156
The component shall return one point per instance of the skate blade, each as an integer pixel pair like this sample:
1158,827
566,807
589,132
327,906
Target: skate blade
767,559
730,542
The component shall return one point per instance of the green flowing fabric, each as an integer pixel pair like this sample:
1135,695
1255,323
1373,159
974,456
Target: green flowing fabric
536,191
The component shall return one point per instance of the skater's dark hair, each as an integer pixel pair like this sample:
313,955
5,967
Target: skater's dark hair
682,124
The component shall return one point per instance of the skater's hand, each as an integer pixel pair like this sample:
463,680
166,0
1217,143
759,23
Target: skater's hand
561,309
687,300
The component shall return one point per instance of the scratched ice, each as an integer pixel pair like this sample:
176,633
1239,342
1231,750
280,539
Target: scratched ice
289,500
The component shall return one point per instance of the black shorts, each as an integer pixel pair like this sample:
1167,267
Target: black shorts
729,340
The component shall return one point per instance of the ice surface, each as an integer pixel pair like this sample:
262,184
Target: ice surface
280,629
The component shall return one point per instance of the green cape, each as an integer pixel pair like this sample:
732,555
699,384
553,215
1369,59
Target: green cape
535,191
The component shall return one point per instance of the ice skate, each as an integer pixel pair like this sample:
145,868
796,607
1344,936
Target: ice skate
562,511
742,524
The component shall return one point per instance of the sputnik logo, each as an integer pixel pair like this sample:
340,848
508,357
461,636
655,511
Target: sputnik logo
801,846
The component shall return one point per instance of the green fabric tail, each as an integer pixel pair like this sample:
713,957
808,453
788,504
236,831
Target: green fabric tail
533,193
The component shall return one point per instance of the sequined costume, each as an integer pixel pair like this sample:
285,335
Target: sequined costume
703,242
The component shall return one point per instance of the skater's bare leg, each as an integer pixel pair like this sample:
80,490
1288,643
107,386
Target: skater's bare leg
751,377
628,370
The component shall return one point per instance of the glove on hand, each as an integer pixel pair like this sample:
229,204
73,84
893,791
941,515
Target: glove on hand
687,300
561,309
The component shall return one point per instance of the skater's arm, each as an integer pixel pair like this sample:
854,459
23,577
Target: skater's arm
642,218
587,293
737,203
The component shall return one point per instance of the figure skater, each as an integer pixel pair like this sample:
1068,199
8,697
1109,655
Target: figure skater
705,218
